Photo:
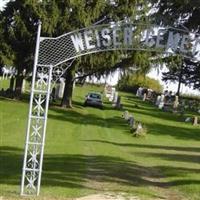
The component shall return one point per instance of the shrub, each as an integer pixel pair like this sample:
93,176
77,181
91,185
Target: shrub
131,83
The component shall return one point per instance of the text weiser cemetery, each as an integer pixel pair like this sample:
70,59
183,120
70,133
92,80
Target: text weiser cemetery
130,37
121,37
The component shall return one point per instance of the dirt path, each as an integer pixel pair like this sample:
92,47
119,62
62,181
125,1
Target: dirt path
108,196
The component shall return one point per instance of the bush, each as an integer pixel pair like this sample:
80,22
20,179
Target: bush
131,83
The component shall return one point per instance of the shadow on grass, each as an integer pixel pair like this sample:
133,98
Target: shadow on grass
192,133
152,112
25,98
173,157
89,119
80,171
180,156
148,146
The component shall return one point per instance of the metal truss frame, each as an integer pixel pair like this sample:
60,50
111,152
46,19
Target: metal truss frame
50,54
43,78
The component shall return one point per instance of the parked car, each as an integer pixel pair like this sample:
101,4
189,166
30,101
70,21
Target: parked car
93,99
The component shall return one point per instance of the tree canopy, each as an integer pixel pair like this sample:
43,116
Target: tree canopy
183,71
18,27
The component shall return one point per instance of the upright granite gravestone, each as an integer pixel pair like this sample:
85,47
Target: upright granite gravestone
162,101
176,104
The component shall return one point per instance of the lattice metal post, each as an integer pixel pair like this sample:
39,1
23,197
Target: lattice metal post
36,128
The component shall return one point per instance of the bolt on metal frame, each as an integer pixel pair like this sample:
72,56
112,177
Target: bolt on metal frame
50,54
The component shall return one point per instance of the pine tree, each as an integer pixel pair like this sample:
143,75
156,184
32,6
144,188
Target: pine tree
84,14
58,16
183,71
179,13
19,28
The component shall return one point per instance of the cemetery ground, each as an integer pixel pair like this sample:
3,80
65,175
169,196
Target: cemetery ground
91,151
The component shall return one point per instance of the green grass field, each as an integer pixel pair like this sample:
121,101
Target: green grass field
89,150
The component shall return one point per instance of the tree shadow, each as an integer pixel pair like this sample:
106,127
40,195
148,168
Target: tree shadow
11,160
148,146
78,171
153,112
73,170
84,118
135,105
173,157
192,133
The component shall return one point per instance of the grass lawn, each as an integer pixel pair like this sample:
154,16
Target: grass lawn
89,150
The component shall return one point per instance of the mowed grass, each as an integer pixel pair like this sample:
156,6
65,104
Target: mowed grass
89,150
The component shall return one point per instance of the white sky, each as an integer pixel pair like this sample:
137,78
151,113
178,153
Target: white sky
113,79
172,86
2,3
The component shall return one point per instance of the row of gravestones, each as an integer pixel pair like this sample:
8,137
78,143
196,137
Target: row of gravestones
113,96
166,102
7,73
166,99
136,127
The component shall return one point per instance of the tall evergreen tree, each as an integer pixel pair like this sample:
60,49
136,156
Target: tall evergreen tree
83,14
20,18
19,28
178,13
183,71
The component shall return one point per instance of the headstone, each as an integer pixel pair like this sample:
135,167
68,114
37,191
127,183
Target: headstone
195,122
112,94
176,103
126,115
139,128
115,98
149,93
108,91
158,100
162,101
144,96
139,92
23,86
188,119
131,121
118,103
60,89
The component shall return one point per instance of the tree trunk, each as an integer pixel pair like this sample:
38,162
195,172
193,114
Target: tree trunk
180,80
179,88
68,91
18,86
12,81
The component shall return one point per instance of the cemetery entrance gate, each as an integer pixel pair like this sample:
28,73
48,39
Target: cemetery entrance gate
54,55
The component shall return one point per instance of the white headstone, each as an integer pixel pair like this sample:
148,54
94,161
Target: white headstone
144,96
23,86
60,89
115,97
126,115
162,99
158,100
176,103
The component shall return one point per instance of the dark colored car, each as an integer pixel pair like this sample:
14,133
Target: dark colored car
93,99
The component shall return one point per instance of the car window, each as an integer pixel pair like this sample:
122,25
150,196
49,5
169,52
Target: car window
95,96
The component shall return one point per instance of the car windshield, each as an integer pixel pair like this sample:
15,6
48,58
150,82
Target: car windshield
95,96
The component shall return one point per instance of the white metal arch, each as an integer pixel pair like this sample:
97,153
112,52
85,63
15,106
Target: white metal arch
51,53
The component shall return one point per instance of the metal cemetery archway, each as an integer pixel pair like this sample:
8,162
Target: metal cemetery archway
52,53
